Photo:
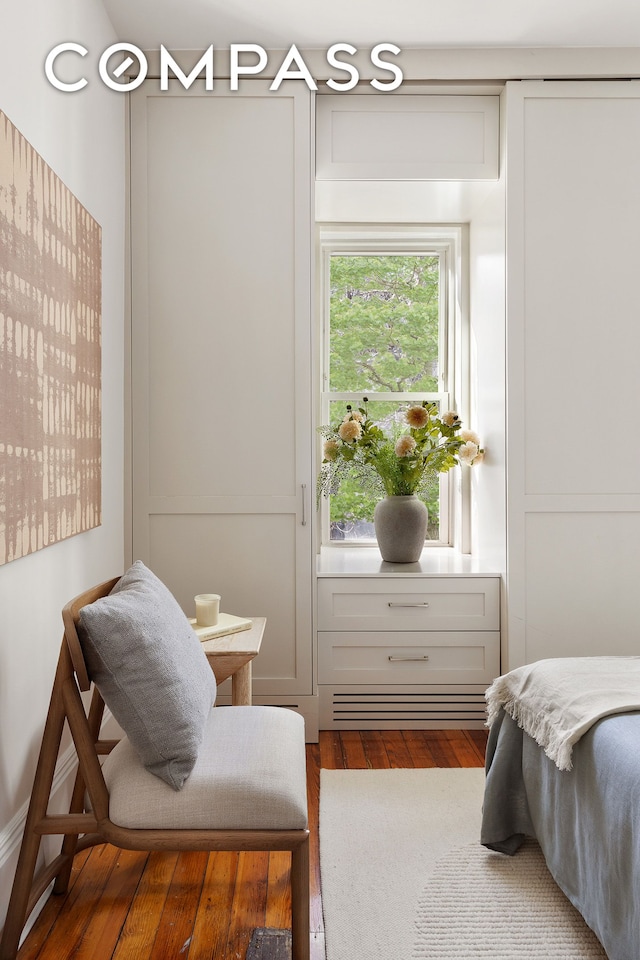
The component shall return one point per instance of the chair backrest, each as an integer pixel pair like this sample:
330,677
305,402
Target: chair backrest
84,725
70,617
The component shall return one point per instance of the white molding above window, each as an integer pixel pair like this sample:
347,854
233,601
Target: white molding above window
407,138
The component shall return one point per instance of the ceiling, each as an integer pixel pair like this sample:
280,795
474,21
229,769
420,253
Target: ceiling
276,24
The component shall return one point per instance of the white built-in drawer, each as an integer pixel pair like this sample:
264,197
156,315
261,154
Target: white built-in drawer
422,657
408,603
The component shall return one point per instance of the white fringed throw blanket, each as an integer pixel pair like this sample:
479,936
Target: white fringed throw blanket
556,701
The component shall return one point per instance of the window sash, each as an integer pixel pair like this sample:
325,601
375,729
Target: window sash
378,240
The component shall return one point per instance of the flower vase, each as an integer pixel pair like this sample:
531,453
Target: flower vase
401,527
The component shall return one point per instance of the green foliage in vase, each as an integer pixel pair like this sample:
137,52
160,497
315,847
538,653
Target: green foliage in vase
392,459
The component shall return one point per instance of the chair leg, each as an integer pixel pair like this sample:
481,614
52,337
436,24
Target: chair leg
300,949
20,894
69,844
23,883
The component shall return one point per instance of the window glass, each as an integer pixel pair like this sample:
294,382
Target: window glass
384,323
385,339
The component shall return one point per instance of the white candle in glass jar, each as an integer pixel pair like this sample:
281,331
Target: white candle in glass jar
207,609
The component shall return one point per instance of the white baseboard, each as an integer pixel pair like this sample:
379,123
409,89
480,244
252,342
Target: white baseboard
11,836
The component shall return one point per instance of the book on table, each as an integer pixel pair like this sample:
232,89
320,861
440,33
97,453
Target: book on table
227,623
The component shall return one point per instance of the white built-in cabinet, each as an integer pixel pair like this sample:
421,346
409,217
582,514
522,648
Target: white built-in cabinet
222,426
399,647
221,237
573,341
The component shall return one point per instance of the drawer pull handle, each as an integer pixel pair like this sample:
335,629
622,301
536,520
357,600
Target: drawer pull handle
404,659
392,604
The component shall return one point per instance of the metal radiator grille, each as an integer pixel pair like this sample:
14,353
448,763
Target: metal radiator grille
359,709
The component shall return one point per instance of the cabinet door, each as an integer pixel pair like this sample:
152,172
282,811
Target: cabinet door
573,299
220,357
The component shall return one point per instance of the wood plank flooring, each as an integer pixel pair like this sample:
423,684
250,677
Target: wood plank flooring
126,905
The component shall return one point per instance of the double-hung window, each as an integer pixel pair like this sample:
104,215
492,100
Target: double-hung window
390,309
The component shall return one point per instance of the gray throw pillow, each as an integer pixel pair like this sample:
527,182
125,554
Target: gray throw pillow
149,666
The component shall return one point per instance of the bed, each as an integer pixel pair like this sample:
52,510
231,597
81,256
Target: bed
563,766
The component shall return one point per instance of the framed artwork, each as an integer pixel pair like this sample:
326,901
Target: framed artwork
50,355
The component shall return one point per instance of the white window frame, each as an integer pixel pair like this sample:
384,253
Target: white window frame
448,243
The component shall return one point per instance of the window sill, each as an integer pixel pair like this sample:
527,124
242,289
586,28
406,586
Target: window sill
341,561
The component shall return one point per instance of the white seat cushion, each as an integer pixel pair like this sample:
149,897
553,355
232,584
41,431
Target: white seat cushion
250,775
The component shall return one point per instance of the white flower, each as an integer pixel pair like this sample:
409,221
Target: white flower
468,452
450,417
405,446
349,430
470,435
353,415
331,449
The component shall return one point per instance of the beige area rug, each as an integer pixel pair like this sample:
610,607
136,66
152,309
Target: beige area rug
404,876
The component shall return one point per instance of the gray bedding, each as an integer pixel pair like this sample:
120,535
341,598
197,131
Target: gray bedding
586,820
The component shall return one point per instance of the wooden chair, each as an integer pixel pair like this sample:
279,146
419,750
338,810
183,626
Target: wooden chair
87,824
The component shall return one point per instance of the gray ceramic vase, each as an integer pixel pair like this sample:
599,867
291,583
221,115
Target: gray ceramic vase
401,528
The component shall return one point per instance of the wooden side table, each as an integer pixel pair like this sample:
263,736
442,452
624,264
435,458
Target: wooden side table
231,656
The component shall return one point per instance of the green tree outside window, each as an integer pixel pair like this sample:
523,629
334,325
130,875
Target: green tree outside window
384,337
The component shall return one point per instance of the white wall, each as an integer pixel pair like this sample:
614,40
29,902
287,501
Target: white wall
487,388
81,136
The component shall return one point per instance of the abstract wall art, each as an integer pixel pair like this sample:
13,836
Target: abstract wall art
50,355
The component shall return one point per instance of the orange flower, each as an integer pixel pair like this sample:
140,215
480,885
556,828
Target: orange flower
417,417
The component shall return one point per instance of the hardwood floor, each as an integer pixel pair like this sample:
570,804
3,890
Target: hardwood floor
126,905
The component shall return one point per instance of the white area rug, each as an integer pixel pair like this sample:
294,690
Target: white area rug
483,904
404,876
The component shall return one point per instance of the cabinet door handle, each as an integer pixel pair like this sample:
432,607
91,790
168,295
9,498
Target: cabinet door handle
405,659
391,604
304,504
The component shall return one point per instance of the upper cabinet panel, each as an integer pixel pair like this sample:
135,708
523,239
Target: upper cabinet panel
573,156
407,137
221,232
